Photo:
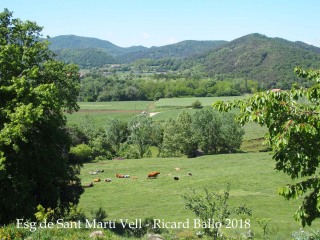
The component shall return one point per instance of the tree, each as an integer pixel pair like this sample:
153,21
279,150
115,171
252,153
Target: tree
116,132
141,130
207,127
186,139
35,90
293,121
178,137
231,134
170,144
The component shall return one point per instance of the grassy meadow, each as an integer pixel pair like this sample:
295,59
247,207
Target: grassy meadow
254,181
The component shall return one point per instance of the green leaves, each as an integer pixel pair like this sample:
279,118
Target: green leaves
292,118
34,144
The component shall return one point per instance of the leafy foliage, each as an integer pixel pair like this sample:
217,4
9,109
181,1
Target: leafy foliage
292,118
206,130
116,133
178,137
82,152
196,104
213,206
142,133
35,91
95,86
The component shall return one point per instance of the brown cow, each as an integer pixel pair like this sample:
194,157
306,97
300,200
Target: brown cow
97,180
153,174
119,175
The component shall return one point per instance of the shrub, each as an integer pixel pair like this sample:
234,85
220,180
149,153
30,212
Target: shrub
12,232
82,152
196,104
213,206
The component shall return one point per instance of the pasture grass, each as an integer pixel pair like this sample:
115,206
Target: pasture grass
186,102
116,105
254,182
99,119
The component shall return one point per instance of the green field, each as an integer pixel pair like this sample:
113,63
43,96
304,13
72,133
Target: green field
185,102
254,181
100,112
121,105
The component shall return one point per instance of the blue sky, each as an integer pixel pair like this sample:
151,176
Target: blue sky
156,23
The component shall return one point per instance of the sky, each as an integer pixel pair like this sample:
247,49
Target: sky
160,22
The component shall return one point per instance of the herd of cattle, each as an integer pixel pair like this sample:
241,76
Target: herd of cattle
150,175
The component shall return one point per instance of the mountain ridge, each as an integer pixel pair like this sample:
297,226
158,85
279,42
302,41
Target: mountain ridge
68,44
253,56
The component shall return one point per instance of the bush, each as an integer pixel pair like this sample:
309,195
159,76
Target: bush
196,104
82,152
101,148
99,215
213,206
12,232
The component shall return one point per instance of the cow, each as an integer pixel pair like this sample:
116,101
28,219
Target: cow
176,178
153,174
119,175
88,185
107,180
97,180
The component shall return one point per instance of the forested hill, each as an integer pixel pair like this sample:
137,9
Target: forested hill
92,52
269,60
258,57
76,42
178,50
88,52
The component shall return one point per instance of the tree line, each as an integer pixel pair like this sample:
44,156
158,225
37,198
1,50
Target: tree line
97,87
206,132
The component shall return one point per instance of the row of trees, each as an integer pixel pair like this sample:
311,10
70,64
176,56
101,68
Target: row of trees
96,87
207,131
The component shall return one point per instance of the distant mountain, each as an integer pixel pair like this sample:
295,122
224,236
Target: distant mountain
85,57
255,56
178,50
259,57
76,42
69,47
